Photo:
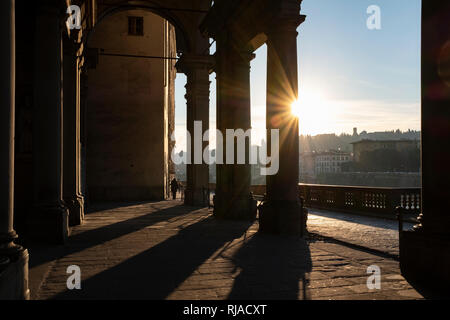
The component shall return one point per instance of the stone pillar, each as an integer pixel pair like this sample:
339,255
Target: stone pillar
13,258
83,132
435,119
282,213
196,68
424,252
49,219
72,148
233,199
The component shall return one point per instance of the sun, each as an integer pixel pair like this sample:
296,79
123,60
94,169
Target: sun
308,105
296,109
313,111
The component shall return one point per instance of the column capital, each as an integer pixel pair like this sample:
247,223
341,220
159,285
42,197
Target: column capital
242,58
285,17
282,24
197,69
190,62
234,53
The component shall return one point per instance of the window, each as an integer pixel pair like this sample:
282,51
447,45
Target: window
135,26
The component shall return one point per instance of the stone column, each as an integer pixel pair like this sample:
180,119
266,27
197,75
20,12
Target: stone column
13,258
83,131
72,148
424,252
233,198
281,213
435,120
49,219
196,68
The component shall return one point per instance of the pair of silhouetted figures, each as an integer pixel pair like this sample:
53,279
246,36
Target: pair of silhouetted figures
174,186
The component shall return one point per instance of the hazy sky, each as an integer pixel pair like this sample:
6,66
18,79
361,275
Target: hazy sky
349,76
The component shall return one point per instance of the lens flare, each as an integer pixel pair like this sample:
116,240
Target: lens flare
313,112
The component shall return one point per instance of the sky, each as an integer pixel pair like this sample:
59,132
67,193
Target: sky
349,76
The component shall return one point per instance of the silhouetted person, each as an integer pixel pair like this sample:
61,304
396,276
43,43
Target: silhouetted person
174,187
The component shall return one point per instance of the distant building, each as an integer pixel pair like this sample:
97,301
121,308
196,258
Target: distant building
314,163
308,164
331,161
257,178
371,145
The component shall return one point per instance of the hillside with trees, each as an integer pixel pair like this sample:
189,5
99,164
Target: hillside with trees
325,142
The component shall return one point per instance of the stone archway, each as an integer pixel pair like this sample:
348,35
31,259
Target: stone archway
184,41
193,46
129,112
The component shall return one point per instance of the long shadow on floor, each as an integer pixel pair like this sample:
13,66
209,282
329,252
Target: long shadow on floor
40,254
157,272
272,267
103,206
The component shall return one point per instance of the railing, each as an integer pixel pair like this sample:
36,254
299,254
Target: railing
361,199
351,199
206,193
182,189
207,197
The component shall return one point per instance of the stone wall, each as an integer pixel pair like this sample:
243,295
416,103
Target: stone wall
130,111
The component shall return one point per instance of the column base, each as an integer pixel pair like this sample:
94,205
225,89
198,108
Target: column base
76,210
49,224
425,260
235,208
196,198
282,217
14,275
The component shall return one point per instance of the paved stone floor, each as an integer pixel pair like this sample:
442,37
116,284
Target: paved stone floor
164,250
373,233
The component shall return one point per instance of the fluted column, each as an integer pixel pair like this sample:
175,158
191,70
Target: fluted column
72,148
233,198
49,219
196,68
282,212
13,258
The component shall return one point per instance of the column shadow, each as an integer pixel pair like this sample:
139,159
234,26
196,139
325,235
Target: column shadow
40,254
156,273
272,268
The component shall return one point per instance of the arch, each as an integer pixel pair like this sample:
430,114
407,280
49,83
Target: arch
183,41
122,96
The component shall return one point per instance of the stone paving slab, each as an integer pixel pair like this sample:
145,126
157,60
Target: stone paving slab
167,251
370,232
